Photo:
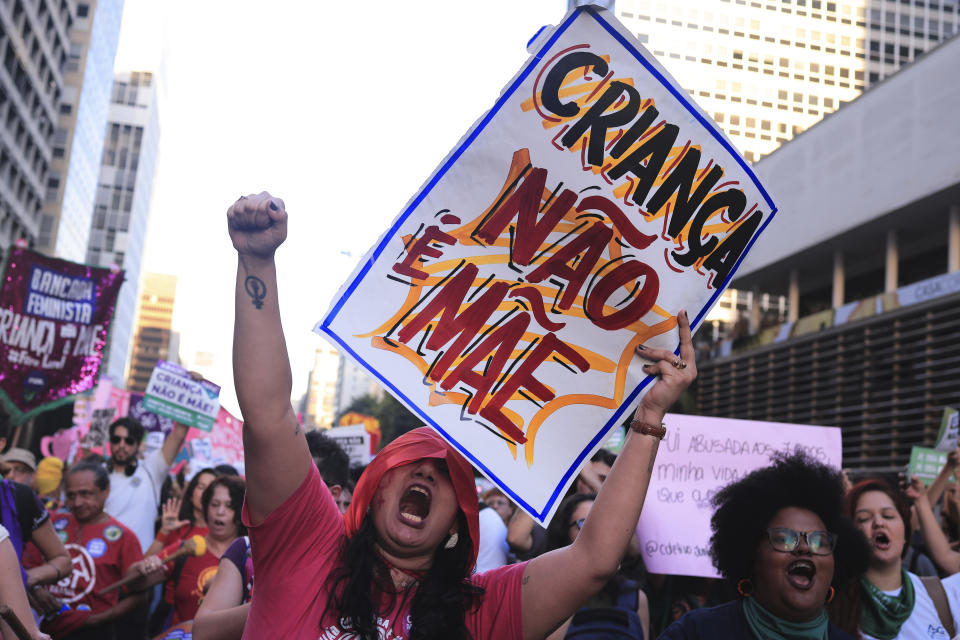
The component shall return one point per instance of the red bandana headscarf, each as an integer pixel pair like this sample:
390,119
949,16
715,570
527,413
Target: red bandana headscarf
416,445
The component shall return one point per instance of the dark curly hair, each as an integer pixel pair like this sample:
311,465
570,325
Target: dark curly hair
745,508
441,600
236,487
559,527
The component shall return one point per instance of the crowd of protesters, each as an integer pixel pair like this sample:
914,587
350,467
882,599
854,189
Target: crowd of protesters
420,546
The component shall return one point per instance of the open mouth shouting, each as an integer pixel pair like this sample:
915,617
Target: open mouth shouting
414,506
801,574
881,541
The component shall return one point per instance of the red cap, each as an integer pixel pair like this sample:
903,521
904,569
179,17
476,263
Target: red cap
413,446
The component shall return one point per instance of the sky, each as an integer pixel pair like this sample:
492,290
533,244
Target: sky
342,109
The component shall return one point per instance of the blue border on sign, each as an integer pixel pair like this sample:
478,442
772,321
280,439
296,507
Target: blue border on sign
441,172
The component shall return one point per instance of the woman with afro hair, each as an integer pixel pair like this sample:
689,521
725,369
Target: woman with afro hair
781,538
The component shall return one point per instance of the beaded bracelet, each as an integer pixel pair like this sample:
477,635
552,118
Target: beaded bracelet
647,429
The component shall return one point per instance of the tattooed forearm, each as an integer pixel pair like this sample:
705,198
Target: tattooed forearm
256,289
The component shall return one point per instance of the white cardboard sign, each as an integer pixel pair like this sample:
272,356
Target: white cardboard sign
354,440
698,457
571,223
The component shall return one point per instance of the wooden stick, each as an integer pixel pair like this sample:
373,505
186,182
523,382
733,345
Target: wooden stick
14,622
194,546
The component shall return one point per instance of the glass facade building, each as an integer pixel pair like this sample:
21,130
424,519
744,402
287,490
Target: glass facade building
65,223
122,205
34,41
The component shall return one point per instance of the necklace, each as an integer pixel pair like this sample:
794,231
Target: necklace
413,576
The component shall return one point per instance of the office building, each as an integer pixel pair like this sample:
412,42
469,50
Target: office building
34,46
353,382
768,69
81,124
866,248
901,32
154,338
122,204
319,408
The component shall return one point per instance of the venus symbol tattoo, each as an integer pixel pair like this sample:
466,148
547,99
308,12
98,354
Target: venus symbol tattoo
256,290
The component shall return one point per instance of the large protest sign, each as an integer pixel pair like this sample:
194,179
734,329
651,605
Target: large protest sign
570,225
174,394
54,320
698,457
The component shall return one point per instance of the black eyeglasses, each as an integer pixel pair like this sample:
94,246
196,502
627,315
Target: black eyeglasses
130,440
578,524
820,543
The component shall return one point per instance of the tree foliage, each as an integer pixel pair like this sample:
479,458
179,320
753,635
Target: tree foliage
395,419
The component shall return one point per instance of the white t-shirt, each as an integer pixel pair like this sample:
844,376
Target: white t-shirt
493,541
924,623
134,500
4,534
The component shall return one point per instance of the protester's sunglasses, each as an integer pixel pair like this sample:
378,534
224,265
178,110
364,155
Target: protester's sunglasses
820,543
130,440
578,523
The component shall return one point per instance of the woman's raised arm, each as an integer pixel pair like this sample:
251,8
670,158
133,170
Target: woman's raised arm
275,450
556,583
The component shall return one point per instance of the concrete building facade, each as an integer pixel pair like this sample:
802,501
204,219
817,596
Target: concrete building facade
319,408
122,205
866,248
353,382
34,46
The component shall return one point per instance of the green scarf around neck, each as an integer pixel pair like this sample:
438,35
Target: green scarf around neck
881,616
766,626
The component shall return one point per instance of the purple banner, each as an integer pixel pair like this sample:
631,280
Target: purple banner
54,319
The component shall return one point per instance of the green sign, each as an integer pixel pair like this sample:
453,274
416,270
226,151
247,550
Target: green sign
615,442
925,463
173,393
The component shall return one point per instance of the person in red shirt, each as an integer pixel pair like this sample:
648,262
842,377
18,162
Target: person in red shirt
182,519
187,578
101,550
398,563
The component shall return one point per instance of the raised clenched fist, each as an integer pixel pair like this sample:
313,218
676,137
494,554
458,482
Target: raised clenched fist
257,225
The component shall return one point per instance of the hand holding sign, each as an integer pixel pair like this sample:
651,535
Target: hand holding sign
675,373
916,491
257,225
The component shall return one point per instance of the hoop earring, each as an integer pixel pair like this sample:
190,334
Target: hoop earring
832,592
746,590
452,541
